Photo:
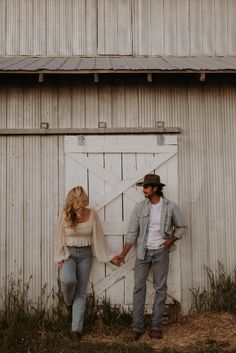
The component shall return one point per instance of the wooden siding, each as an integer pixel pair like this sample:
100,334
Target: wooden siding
32,168
123,27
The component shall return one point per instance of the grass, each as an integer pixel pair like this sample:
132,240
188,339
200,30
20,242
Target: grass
220,296
26,327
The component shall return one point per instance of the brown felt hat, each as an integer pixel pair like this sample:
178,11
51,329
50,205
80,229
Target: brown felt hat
151,179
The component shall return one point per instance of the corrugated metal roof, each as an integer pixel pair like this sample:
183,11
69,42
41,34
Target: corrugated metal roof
109,64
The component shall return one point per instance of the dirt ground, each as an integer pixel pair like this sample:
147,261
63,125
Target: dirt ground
189,334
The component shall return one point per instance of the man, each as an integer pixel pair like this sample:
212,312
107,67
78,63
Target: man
155,225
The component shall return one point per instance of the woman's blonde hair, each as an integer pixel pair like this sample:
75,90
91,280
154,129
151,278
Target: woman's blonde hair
76,200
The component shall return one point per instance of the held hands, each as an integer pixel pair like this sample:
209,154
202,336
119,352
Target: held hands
117,260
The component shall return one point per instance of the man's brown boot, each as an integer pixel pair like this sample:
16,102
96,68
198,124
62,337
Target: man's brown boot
136,335
156,334
75,336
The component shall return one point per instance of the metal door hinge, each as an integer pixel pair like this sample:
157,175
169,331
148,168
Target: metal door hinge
81,140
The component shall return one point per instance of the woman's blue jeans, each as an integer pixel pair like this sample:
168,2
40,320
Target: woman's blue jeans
74,276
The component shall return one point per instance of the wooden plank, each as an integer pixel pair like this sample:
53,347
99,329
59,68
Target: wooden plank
170,27
99,170
147,107
156,27
96,185
221,33
65,27
15,209
114,277
12,28
208,25
26,27
195,21
32,215
124,185
118,105
15,114
127,148
101,27
71,142
231,27
124,30
3,108
39,34
143,24
110,30
3,208
114,227
91,106
114,212
105,105
89,131
103,173
31,107
64,107
129,167
3,29
79,27
75,175
78,107
91,27
49,105
61,175
182,28
49,210
53,28
131,106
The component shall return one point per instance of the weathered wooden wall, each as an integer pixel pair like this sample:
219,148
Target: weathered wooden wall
32,170
132,27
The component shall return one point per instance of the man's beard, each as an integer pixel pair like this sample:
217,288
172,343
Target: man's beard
147,196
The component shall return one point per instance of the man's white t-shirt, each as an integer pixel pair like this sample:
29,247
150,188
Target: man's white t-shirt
154,239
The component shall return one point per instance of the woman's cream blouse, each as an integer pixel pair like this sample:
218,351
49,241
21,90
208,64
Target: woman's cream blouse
86,233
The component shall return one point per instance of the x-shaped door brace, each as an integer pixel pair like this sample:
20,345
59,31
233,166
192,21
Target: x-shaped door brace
113,180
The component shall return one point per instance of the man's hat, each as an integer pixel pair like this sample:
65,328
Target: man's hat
151,179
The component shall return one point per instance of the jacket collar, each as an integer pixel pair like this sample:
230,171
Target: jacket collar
147,203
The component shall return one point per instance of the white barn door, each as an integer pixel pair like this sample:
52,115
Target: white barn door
109,167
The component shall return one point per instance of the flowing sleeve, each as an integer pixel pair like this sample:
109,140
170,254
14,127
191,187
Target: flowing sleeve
99,243
61,252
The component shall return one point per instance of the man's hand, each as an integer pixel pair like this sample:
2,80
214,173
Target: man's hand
117,260
167,244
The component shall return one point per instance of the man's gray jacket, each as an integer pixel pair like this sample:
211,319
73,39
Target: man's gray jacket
172,223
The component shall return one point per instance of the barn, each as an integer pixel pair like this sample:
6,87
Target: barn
98,93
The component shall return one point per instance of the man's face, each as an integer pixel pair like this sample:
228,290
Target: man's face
149,191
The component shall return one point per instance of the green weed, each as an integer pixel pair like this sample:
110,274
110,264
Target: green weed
220,296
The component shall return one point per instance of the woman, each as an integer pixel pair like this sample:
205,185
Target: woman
79,236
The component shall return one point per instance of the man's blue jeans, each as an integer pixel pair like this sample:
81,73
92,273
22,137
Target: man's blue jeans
158,262
74,277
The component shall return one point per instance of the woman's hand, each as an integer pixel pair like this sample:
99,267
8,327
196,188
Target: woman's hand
60,264
117,260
